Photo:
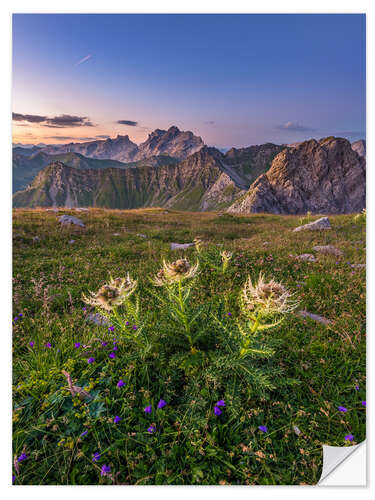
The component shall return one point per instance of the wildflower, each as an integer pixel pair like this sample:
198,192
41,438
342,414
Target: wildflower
134,327
357,387
263,428
49,345
161,404
120,383
105,470
151,429
20,315
13,478
77,345
104,344
343,409
198,244
83,433
270,298
31,344
220,403
175,272
148,409
117,419
363,403
96,457
225,257
229,314
349,437
127,323
217,411
90,360
16,318
112,294
115,348
111,328
22,457
112,355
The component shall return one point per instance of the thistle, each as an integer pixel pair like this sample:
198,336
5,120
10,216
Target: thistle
175,272
112,294
198,244
225,257
266,298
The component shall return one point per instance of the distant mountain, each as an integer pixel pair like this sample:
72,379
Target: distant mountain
324,176
23,151
171,142
360,147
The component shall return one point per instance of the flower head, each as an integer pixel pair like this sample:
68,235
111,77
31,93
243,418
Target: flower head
220,403
161,404
48,345
83,433
90,360
96,457
151,429
173,272
77,345
343,409
148,409
363,403
111,328
112,355
112,294
105,470
269,298
31,344
117,419
217,411
263,428
225,257
349,437
104,344
22,457
120,383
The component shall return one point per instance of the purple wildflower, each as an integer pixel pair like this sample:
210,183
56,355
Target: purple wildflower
90,360
220,403
49,345
151,429
31,344
127,323
349,437
161,404
357,387
148,409
134,327
104,344
229,314
105,470
111,328
77,344
112,355
363,403
84,433
217,411
96,457
84,308
16,318
115,348
120,383
263,428
20,315
22,457
343,409
117,419
13,478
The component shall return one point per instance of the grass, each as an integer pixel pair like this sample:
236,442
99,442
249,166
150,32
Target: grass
191,445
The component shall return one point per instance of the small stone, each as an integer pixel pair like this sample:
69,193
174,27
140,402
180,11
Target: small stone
322,223
97,318
358,266
315,317
141,235
307,257
71,242
296,430
328,250
115,234
36,238
65,220
181,246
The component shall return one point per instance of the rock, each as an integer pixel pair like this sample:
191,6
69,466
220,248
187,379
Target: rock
296,430
141,235
36,238
315,317
71,242
65,220
115,234
358,266
322,223
359,147
328,250
307,257
181,246
324,176
81,209
96,318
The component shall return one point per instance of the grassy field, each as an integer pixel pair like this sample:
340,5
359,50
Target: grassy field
291,386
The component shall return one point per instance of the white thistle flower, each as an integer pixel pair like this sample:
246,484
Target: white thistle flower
173,272
112,294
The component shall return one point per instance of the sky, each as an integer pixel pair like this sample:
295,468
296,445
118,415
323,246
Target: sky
234,80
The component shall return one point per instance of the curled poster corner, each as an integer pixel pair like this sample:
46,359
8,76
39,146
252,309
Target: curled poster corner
344,466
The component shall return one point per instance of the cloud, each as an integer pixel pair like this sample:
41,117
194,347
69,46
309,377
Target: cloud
18,117
210,122
84,59
102,136
130,123
69,138
294,127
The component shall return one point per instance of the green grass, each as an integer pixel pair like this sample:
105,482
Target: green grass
191,445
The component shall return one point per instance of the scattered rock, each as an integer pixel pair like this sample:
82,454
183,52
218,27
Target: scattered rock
141,235
322,223
36,238
328,250
181,246
296,430
71,242
65,220
115,234
358,266
306,256
97,318
315,317
81,209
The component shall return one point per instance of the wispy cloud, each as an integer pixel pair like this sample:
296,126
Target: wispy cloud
294,127
84,59
102,136
61,121
130,123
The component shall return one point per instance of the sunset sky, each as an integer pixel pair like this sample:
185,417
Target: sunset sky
235,80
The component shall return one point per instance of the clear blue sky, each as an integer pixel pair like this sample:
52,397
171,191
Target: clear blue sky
235,80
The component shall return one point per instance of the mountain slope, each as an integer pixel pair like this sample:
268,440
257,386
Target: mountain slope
324,176
360,147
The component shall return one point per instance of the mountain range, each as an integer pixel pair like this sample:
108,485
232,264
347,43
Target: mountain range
175,169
